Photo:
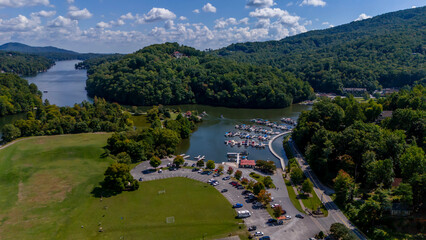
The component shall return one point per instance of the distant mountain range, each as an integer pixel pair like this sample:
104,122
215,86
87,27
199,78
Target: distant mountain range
50,52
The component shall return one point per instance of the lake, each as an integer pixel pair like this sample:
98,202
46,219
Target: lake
65,86
62,84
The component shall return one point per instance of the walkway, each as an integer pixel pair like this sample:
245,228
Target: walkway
274,153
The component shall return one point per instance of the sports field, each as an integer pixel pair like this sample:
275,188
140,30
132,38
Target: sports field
45,193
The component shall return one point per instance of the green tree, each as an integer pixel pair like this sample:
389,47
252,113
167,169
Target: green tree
380,172
118,178
307,186
210,164
220,168
267,181
200,163
413,161
404,193
10,132
277,211
344,186
341,232
244,181
155,161
296,175
230,170
178,161
238,174
123,157
258,187
264,197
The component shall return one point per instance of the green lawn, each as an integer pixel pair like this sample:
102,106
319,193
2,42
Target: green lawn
292,196
259,178
313,203
140,121
46,184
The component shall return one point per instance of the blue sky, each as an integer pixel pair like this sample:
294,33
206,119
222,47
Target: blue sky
127,25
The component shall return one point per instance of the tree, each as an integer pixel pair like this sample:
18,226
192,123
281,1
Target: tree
244,181
307,186
118,178
210,164
266,166
380,172
278,211
369,214
413,161
155,161
178,161
238,174
220,168
264,197
230,170
10,132
258,187
344,186
404,193
341,232
296,175
267,181
123,157
200,163
250,185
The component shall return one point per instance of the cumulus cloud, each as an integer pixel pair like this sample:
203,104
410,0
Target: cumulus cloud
103,25
362,16
169,24
183,18
155,15
70,1
77,14
209,8
128,16
315,3
19,24
196,11
43,14
260,3
62,22
23,3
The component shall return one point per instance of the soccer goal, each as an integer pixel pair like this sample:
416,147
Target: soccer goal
170,219
161,192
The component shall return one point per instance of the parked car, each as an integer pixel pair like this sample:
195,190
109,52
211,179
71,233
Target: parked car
209,173
224,190
185,164
272,220
216,175
274,205
265,238
252,228
226,178
240,187
238,205
140,179
300,216
233,183
245,192
193,165
195,169
258,234
288,217
200,171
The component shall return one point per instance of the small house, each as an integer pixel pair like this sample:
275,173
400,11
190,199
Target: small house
247,163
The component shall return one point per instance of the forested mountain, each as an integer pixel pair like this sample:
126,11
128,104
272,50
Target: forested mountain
23,64
56,54
16,95
387,50
173,74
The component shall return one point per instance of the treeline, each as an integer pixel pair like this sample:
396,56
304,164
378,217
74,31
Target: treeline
346,147
23,64
384,51
47,119
95,61
160,140
159,75
16,95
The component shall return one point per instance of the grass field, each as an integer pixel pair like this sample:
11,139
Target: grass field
140,121
46,184
293,196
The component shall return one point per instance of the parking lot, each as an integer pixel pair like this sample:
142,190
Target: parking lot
259,216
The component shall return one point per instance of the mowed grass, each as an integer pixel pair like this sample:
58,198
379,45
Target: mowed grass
293,196
140,121
45,193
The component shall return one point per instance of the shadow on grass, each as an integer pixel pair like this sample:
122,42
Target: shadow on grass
100,192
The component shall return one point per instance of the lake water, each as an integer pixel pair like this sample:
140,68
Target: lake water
65,86
62,84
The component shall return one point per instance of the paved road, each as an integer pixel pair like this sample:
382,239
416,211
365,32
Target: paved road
322,191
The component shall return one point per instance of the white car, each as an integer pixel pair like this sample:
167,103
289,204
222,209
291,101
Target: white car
257,234
288,217
200,171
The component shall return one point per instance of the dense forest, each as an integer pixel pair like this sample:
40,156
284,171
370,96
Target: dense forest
384,51
16,95
23,64
350,145
173,74
89,64
47,119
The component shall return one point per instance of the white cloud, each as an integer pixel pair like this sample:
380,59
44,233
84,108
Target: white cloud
43,14
362,16
23,3
169,24
260,3
283,15
413,6
183,18
222,23
62,22
244,20
103,25
209,8
77,14
196,11
19,24
154,15
315,3
128,16
289,4
70,1
325,23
